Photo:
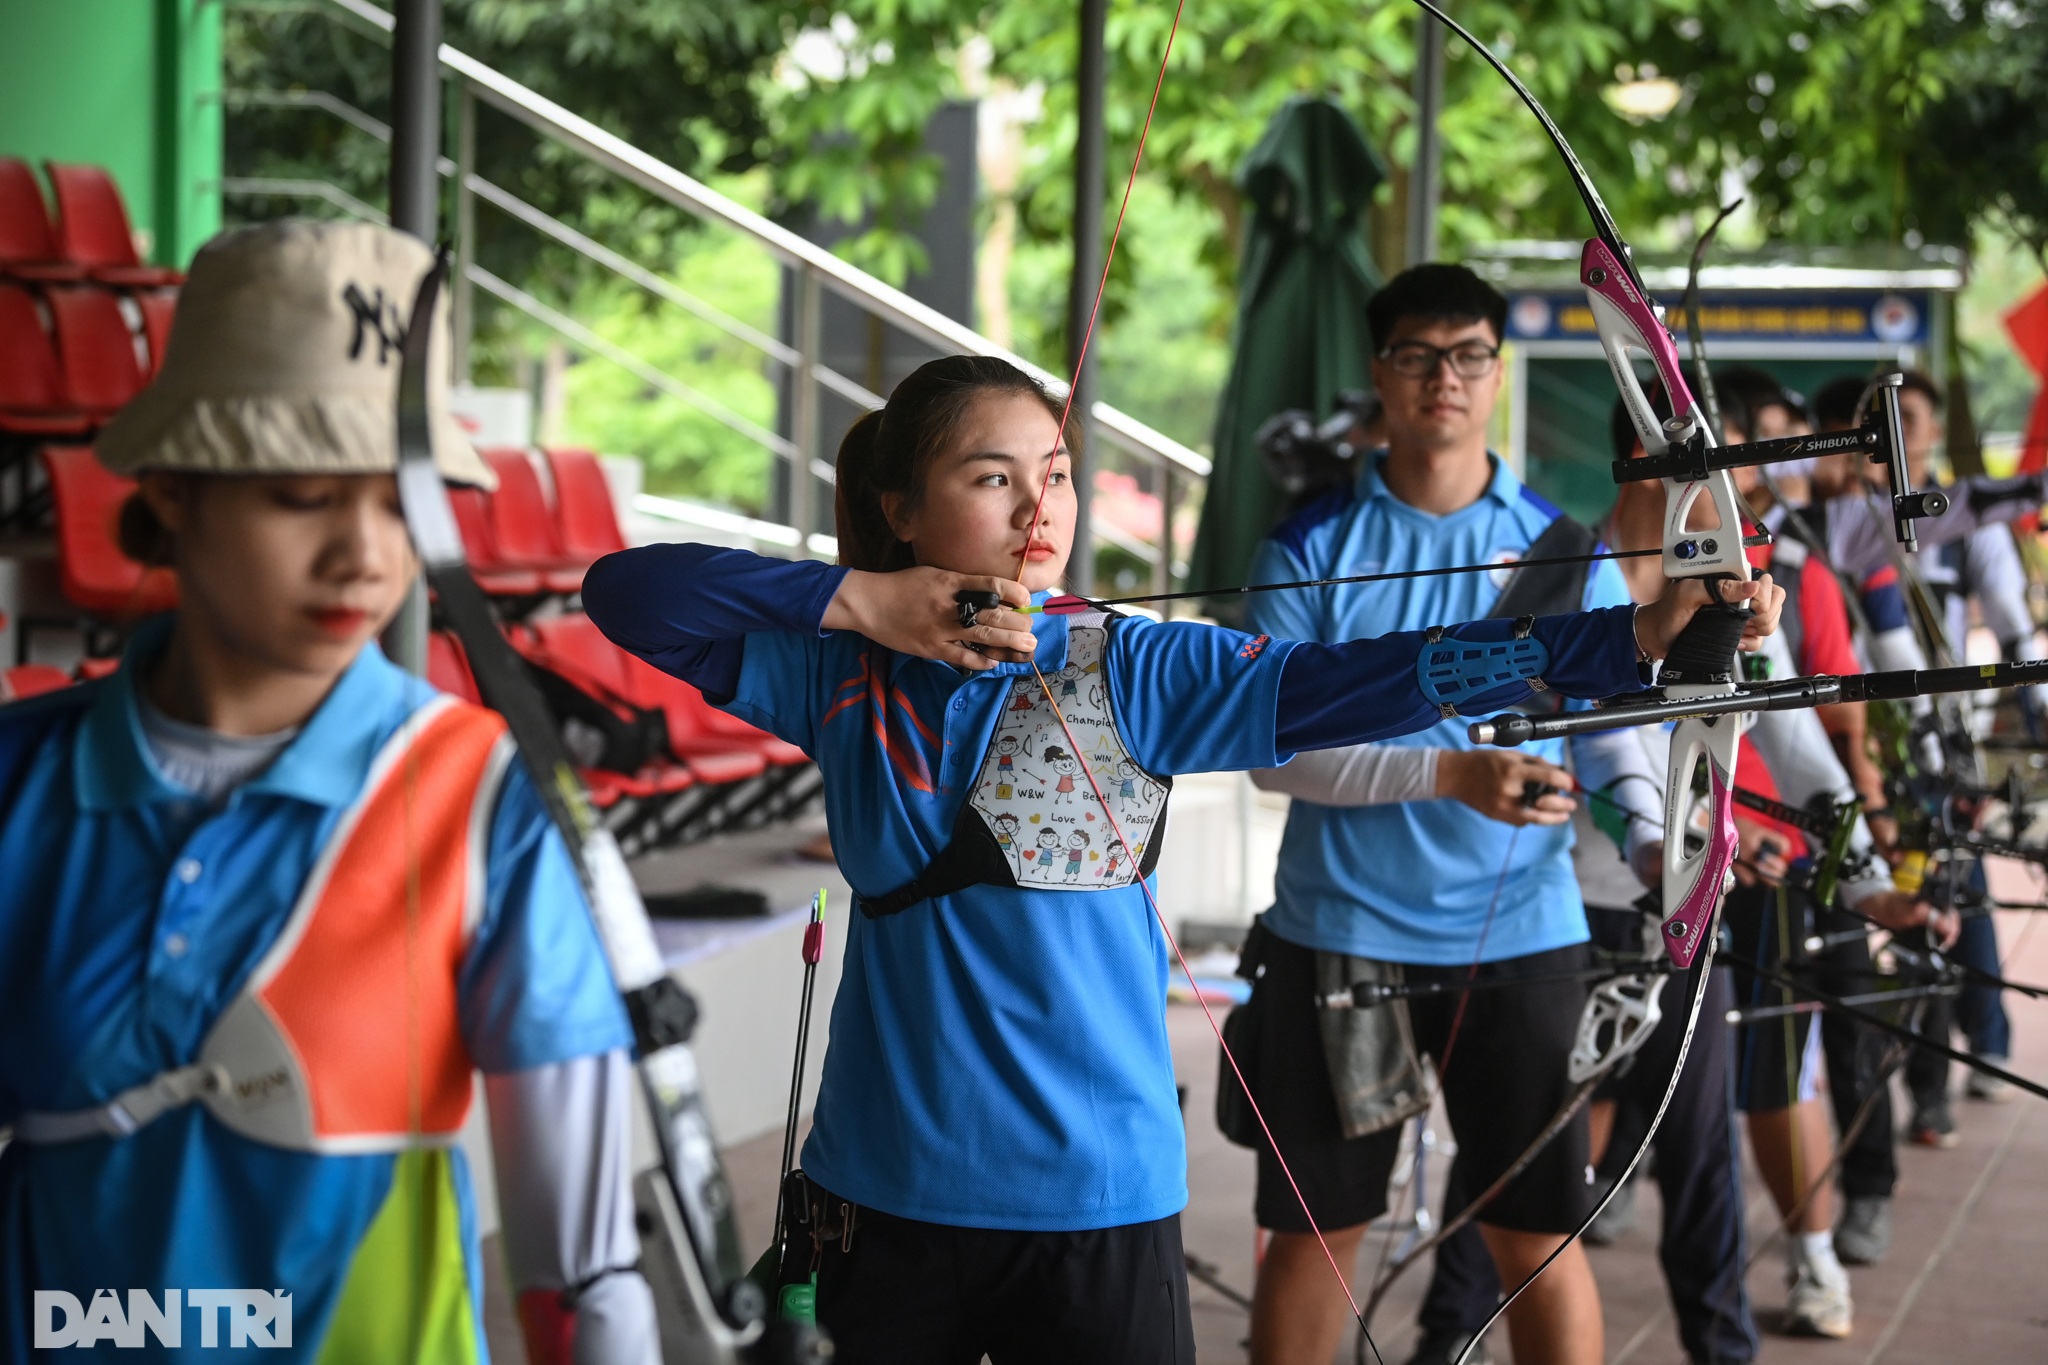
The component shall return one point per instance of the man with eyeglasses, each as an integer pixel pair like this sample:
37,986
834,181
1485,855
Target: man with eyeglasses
1425,859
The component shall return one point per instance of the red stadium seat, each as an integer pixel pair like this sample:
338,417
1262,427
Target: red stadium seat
95,349
523,526
448,667
28,680
93,230
493,575
28,248
574,647
562,645
660,778
100,667
32,401
587,521
157,307
693,720
95,575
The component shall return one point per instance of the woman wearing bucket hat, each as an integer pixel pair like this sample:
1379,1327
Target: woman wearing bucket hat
271,901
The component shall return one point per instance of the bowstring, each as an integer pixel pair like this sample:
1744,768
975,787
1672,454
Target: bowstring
1158,915
1087,769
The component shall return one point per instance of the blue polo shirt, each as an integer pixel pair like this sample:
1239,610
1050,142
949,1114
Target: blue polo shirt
130,916
1414,882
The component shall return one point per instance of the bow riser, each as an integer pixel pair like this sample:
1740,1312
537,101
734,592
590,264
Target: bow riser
1694,882
1628,325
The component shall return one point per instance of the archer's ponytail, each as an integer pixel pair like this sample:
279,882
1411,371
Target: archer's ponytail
865,538
890,450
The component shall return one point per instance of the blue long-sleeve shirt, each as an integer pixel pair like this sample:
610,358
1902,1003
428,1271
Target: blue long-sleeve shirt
687,609
998,1056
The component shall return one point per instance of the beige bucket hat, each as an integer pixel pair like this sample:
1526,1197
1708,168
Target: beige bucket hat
284,359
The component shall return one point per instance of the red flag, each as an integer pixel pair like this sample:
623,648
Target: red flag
2028,327
2034,445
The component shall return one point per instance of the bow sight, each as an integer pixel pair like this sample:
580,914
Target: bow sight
1691,457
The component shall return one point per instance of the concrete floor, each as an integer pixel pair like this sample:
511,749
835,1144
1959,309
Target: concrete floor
1967,1279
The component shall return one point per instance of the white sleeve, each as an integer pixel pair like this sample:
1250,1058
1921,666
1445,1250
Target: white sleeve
1617,764
1896,648
562,1139
1356,775
1997,579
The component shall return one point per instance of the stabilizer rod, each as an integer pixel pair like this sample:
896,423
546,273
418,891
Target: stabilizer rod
1790,694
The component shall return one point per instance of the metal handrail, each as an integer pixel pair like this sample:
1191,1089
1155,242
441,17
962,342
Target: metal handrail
546,223
633,364
534,217
326,191
671,185
552,318
541,221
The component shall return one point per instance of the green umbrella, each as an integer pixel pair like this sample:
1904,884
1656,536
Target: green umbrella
1300,337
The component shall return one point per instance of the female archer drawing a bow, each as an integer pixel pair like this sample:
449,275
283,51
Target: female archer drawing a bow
997,1152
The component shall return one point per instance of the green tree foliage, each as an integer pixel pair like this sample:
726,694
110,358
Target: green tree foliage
1850,123
1862,121
1842,122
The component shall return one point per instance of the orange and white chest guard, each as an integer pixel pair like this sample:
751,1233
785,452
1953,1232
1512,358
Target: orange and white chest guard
346,1037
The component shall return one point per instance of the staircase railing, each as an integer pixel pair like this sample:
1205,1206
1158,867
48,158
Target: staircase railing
1172,472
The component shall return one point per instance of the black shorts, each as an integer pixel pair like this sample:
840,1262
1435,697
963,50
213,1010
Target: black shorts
1774,1058
906,1292
1505,1082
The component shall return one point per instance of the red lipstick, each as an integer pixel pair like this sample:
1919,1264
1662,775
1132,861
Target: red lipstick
338,622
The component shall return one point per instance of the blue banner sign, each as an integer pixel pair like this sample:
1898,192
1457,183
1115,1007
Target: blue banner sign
1891,317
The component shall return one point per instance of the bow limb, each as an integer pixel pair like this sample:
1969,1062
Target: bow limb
692,1260
1702,661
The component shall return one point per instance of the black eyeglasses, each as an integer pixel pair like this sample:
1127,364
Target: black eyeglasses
1419,359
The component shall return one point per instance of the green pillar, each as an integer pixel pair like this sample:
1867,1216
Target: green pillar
132,85
188,127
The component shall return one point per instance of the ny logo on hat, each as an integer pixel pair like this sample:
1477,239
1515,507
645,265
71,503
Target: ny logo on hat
369,315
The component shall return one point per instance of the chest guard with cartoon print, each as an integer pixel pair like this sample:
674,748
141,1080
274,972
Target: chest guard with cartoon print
1032,819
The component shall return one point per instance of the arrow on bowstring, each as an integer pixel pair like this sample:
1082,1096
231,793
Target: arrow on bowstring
1069,604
